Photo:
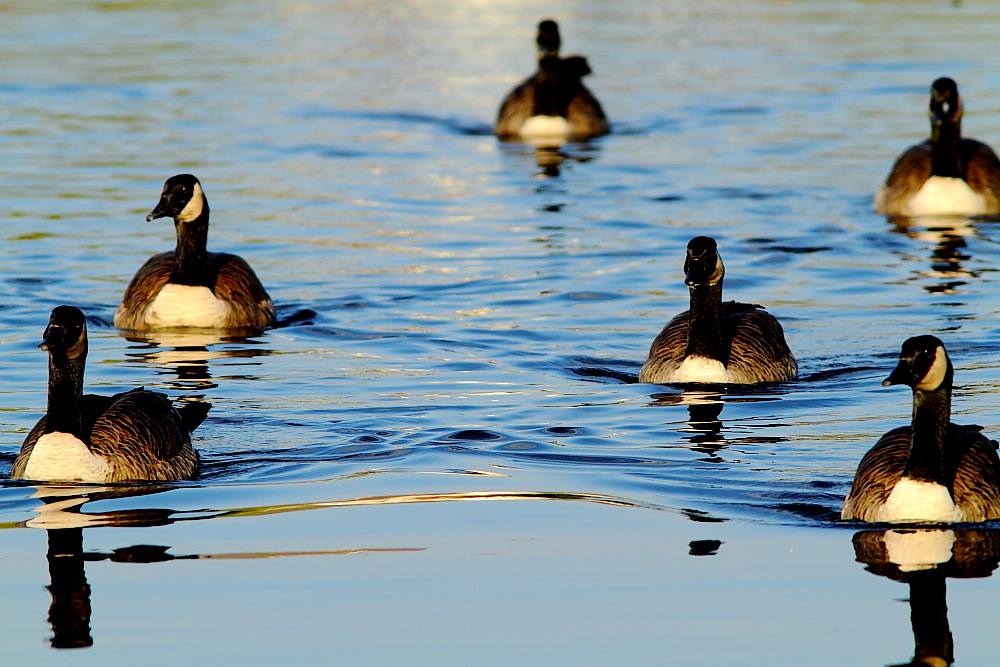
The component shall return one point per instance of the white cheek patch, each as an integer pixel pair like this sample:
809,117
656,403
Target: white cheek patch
186,306
935,376
194,207
65,458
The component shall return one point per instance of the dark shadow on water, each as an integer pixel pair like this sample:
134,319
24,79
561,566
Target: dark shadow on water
923,559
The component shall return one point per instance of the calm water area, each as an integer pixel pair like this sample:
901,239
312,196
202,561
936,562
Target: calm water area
441,455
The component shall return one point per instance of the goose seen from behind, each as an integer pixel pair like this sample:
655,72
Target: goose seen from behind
946,174
715,341
932,470
189,286
552,104
134,436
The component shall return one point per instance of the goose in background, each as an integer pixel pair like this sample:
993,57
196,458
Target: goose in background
134,436
552,104
946,174
715,342
189,286
933,470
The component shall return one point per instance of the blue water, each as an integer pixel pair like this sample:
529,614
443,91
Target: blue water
461,327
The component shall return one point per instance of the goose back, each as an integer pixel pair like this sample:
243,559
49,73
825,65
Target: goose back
230,279
977,193
555,92
139,433
971,468
752,338
190,286
946,174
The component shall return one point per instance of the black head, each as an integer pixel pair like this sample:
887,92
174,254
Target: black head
923,365
548,38
703,266
182,199
65,337
945,104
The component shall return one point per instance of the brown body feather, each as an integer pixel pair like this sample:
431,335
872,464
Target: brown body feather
980,169
755,342
139,433
583,112
971,468
231,280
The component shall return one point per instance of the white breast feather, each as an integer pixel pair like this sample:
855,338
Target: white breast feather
911,500
945,196
919,549
545,127
63,457
186,306
702,369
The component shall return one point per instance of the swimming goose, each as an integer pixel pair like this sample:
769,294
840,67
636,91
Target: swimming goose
135,435
716,342
933,470
189,286
945,175
553,103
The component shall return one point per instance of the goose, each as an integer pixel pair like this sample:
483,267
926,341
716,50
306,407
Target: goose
133,436
189,286
716,342
932,470
946,174
553,103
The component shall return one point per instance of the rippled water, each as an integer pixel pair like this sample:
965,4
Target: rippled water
462,323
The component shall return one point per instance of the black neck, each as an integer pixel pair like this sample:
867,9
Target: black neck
191,254
929,617
65,390
944,140
69,612
704,329
931,412
551,98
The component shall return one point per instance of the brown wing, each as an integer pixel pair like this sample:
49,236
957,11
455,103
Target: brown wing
145,285
91,407
237,284
754,338
757,348
976,486
877,474
667,350
982,171
908,175
585,116
515,109
144,438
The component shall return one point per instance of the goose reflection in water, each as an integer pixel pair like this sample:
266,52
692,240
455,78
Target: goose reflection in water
186,354
704,411
947,237
923,559
704,408
550,156
64,522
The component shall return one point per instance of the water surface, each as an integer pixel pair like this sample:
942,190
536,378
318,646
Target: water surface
439,457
